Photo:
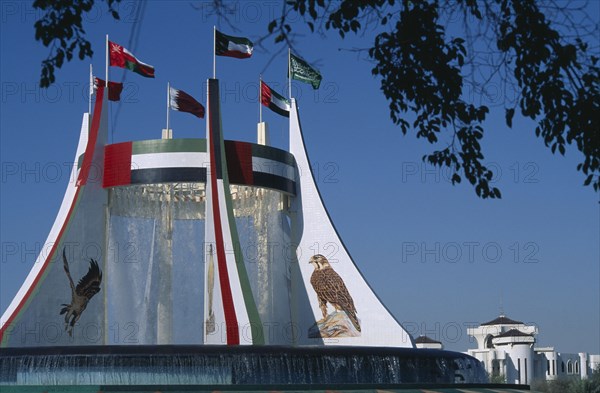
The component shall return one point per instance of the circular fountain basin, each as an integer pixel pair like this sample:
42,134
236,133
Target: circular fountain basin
247,367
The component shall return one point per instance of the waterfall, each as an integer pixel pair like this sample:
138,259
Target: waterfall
155,270
202,365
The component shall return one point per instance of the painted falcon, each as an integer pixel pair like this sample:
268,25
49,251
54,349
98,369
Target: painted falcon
330,287
88,286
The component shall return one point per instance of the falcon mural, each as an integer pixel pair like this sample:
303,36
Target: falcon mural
330,288
81,294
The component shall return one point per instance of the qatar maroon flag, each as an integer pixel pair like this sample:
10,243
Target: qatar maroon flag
181,101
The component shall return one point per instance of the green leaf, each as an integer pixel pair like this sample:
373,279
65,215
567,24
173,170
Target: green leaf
509,116
272,26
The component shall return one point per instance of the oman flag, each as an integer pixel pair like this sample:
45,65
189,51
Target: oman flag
121,57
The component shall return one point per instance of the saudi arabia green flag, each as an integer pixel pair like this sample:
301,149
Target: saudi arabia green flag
301,71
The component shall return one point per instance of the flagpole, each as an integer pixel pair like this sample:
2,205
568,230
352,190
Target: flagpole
106,79
91,90
260,98
290,73
214,52
106,87
168,103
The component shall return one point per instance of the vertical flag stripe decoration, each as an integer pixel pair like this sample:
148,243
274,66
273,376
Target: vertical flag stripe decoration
239,307
114,88
238,47
303,72
274,101
181,101
215,226
121,57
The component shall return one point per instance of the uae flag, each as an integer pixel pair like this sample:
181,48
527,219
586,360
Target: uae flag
302,71
276,102
114,88
238,47
181,101
121,57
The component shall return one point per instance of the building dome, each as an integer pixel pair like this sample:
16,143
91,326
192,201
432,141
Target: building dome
513,333
502,320
513,337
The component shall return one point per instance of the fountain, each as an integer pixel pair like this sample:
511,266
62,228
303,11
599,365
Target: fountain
216,264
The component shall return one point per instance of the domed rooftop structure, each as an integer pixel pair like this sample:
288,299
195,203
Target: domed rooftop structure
513,333
502,320
513,337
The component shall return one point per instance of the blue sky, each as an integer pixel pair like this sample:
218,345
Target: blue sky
439,257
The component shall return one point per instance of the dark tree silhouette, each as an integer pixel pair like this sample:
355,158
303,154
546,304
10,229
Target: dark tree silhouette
61,29
545,51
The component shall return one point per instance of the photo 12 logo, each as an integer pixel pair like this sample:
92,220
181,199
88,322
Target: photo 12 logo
63,92
27,12
515,172
470,252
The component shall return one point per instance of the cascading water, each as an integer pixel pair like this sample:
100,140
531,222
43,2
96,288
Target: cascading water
265,242
215,365
155,275
155,278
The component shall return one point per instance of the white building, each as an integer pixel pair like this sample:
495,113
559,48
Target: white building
507,347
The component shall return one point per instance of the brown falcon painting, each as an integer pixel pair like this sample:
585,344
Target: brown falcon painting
87,287
330,287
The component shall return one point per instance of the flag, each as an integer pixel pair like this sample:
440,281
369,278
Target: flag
300,70
181,101
114,88
238,47
121,57
276,102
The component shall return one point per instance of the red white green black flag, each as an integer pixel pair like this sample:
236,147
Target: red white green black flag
121,57
276,102
238,47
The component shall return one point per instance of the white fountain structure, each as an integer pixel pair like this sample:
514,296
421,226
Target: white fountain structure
203,249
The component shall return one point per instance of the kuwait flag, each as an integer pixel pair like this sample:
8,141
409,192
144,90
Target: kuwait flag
114,88
273,100
181,101
121,57
238,47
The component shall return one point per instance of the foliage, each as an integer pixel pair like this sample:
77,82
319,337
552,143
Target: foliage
426,66
497,378
575,385
61,29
